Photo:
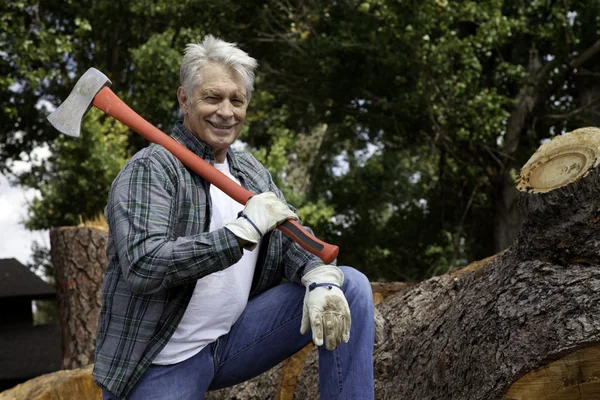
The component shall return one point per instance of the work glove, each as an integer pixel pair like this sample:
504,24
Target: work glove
326,309
262,213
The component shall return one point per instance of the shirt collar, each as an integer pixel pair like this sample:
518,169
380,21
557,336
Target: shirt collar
198,147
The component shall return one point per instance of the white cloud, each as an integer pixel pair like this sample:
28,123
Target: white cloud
36,157
15,240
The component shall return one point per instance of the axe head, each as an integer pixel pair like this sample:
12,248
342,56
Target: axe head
67,117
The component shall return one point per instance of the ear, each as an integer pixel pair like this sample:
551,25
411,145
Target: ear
183,100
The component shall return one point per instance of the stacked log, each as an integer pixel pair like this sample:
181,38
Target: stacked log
79,260
75,384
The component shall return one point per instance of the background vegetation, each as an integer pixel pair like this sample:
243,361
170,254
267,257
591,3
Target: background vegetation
396,126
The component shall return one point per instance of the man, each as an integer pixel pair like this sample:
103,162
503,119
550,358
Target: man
193,298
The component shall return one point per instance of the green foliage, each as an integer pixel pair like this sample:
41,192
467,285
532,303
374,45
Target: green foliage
75,186
276,159
434,82
156,68
45,311
41,262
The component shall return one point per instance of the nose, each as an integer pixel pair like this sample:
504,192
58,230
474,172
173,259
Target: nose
225,109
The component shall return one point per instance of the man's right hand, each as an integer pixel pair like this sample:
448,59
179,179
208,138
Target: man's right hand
262,213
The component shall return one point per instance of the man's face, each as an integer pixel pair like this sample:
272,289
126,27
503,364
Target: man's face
216,109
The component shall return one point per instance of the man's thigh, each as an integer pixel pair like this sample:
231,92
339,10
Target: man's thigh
267,332
187,380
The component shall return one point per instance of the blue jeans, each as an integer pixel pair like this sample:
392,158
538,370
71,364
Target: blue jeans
268,332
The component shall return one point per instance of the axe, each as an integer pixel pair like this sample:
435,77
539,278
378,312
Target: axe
92,89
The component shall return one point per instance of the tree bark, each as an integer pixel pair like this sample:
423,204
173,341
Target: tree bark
79,259
508,216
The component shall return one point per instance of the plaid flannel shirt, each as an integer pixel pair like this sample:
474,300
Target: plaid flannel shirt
159,245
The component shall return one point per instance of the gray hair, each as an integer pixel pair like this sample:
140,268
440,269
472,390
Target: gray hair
213,49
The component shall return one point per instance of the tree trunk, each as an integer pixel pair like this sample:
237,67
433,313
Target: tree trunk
508,216
74,384
79,259
474,333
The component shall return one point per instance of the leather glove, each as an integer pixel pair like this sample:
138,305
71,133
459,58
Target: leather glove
326,309
262,213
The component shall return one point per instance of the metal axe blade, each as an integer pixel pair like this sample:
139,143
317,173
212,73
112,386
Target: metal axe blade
67,117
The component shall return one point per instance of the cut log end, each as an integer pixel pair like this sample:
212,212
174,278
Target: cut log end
573,377
564,159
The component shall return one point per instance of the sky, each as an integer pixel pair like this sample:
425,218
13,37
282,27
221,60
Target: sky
15,240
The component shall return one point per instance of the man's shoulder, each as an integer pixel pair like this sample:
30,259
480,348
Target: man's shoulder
154,154
247,161
154,159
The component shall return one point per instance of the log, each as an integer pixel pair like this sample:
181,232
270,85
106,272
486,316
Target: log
79,259
75,384
573,377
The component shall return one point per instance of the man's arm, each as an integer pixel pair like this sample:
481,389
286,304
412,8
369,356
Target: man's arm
141,211
296,260
325,311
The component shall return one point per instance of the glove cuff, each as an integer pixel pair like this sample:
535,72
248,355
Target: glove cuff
242,229
315,285
326,274
242,215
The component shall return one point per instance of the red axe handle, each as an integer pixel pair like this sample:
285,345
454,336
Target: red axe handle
107,101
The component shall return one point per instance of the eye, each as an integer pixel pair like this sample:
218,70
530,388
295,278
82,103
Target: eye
237,102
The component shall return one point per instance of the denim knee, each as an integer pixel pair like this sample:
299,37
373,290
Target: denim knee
356,286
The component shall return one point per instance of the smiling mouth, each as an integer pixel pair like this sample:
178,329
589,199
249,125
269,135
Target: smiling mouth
220,126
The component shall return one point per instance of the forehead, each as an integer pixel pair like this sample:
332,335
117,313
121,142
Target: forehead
221,78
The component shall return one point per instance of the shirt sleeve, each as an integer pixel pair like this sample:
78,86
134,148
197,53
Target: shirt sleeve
141,210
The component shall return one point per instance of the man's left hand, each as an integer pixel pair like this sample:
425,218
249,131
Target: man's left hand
326,309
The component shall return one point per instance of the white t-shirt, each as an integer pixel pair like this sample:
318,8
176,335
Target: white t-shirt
219,298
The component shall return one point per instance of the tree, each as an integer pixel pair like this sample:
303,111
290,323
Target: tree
77,176
45,311
79,258
465,89
398,126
